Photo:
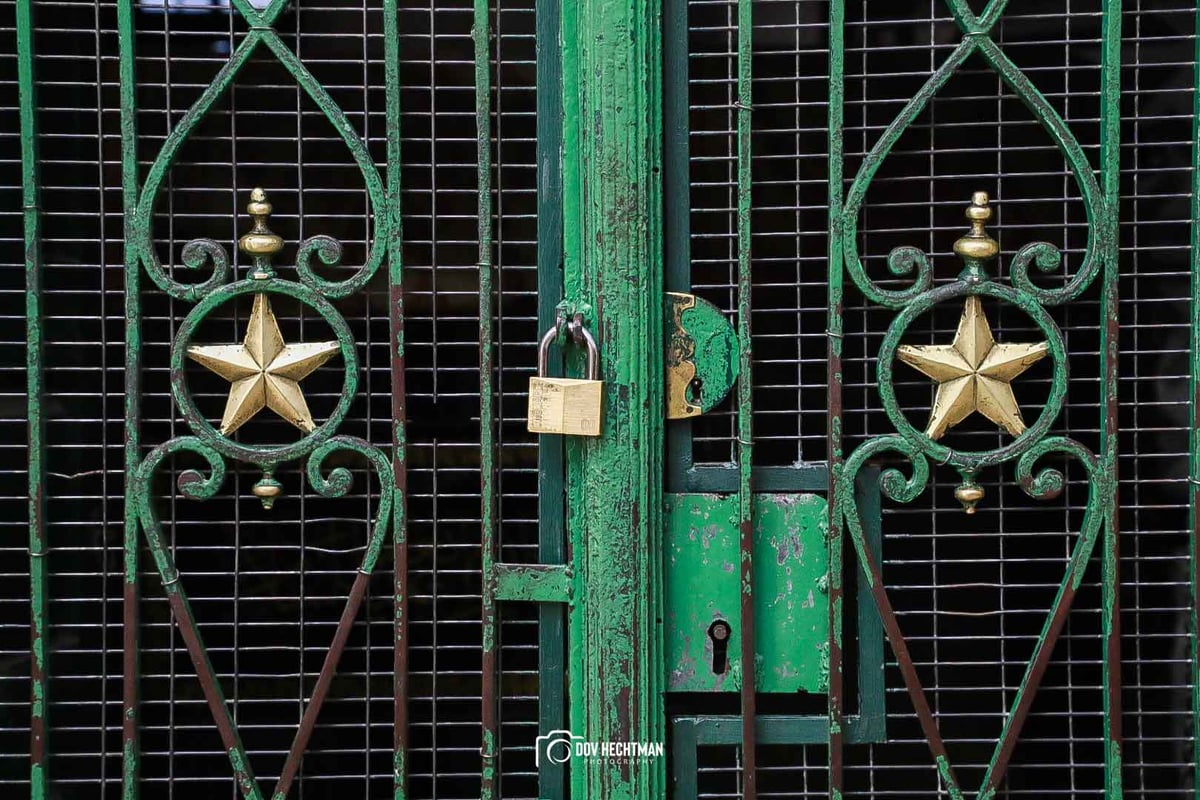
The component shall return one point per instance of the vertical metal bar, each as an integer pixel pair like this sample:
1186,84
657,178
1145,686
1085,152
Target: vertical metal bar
677,235
487,449
130,634
613,185
745,427
391,56
1194,433
551,543
833,322
572,286
1110,153
683,760
30,202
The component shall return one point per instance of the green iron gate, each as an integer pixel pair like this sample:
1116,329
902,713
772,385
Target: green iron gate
295,260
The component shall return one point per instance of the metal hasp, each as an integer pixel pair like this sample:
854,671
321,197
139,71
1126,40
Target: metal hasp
701,353
791,615
613,260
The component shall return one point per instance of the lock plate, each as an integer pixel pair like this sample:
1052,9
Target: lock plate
791,608
701,355
570,406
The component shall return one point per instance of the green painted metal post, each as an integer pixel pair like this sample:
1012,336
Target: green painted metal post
131,587
612,96
38,750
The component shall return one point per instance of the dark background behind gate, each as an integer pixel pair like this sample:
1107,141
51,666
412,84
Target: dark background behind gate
266,586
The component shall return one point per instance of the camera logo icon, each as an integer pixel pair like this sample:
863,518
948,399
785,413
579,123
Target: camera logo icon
555,747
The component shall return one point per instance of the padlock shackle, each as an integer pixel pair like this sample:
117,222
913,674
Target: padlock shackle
593,354
593,351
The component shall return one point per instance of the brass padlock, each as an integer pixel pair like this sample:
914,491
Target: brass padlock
571,406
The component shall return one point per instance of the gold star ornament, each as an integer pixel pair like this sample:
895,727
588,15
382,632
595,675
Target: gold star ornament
973,373
264,372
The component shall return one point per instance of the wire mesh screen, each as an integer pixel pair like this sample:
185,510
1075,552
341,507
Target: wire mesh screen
268,587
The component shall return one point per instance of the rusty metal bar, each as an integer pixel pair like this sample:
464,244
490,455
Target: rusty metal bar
309,721
745,426
1110,169
391,55
31,206
833,427
131,618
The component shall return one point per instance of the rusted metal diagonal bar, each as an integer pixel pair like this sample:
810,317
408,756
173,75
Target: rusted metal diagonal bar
243,774
1039,661
186,621
308,722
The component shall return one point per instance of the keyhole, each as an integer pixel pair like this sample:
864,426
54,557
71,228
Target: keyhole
693,389
719,633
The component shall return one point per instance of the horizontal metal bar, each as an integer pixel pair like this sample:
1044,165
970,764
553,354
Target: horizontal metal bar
777,729
534,583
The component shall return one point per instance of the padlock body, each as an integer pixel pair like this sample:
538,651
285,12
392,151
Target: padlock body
568,406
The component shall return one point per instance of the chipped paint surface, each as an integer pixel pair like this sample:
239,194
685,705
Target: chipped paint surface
702,356
613,261
38,546
702,585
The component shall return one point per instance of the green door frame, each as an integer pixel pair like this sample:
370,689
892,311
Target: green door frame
613,275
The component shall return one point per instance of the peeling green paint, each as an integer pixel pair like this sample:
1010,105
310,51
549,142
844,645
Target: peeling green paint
537,583
701,551
613,260
39,747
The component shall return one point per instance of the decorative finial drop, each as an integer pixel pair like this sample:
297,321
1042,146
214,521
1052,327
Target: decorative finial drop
977,247
969,494
267,489
260,243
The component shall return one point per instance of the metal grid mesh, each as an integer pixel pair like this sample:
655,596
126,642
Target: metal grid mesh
966,650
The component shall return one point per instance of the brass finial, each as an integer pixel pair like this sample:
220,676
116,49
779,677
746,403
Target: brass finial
969,494
267,490
261,243
977,246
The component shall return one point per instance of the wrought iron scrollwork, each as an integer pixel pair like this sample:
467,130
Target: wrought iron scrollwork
215,446
920,449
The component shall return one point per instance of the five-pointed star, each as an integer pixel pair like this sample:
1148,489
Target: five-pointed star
264,371
973,374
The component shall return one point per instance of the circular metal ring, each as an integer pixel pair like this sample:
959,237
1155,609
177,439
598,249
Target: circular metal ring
263,455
